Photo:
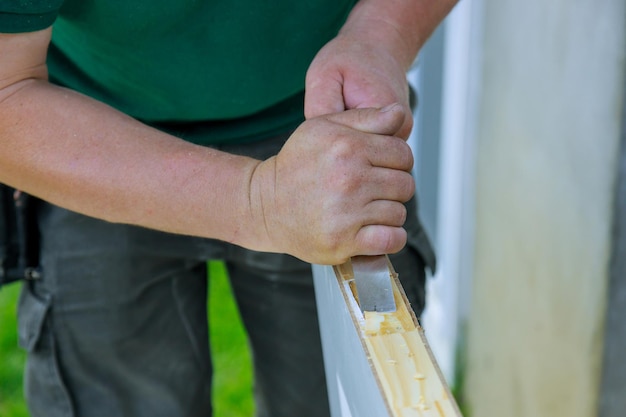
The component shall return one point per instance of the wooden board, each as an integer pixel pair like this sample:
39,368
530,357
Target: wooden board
377,364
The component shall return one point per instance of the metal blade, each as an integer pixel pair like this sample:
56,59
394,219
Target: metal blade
373,283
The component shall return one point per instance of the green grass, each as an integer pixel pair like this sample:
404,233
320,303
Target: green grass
11,357
232,395
458,389
232,384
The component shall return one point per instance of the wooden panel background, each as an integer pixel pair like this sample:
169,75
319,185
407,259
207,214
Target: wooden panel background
547,155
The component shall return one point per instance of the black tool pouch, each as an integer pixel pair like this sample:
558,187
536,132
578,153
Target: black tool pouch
19,237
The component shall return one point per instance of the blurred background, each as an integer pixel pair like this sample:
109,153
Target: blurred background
521,167
232,385
520,149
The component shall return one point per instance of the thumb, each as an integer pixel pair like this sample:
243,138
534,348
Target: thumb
323,98
385,121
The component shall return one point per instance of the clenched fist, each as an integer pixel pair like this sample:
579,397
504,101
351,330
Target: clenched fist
336,188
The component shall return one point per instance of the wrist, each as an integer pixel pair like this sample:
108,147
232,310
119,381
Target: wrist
375,26
259,192
400,26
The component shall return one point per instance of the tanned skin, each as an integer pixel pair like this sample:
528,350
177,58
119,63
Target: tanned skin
335,190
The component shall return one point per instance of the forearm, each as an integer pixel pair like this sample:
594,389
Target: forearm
83,155
335,190
400,26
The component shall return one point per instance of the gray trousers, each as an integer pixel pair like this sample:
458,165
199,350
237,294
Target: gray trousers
117,327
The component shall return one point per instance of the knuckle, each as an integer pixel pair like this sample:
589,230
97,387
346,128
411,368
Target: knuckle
330,240
407,127
344,175
344,183
402,214
396,241
406,156
342,148
406,187
409,122
396,214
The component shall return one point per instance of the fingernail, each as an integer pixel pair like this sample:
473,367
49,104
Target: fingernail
389,107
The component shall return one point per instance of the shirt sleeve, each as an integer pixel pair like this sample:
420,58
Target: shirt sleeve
27,15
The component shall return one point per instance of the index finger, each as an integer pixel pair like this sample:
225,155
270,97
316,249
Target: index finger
389,152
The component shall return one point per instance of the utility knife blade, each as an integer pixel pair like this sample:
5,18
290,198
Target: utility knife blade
373,283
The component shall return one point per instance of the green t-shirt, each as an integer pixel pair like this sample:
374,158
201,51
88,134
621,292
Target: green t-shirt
238,63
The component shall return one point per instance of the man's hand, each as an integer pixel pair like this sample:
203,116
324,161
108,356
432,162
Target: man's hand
351,74
366,64
336,188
